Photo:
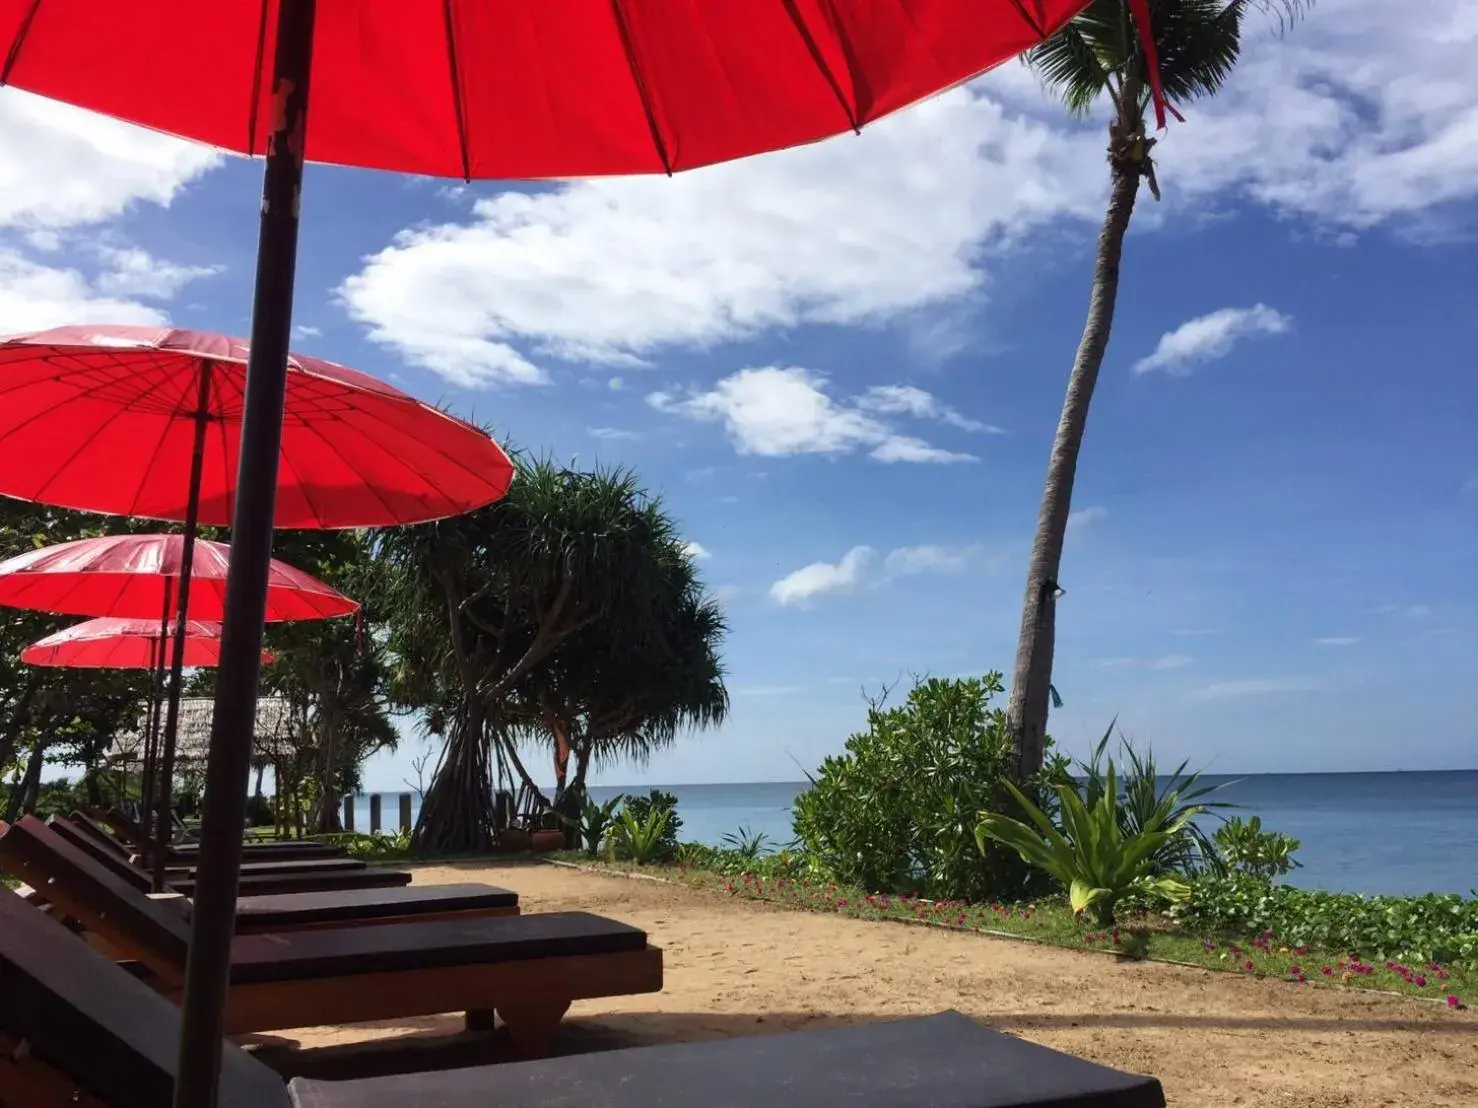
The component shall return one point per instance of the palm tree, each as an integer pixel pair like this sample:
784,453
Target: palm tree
480,602
630,683
1099,55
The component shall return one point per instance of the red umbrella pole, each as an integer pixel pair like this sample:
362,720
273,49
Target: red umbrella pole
177,660
207,971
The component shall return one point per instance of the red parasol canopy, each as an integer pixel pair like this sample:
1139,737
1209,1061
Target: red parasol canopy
109,643
105,419
520,88
134,577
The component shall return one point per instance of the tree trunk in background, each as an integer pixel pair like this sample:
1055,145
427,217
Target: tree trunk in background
23,794
561,735
457,812
261,772
1031,678
326,817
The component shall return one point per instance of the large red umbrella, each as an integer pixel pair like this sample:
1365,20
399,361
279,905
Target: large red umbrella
137,577
109,643
108,419
471,88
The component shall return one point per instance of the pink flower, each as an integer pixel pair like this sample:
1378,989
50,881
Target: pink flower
1247,965
1421,982
1454,1002
1327,971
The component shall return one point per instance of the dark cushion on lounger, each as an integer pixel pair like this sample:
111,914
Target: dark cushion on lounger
92,1022
429,944
262,913
943,1061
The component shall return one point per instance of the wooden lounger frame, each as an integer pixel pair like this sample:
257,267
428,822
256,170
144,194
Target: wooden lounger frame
28,1082
531,996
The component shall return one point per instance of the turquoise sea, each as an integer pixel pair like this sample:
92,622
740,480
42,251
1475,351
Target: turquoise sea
1398,833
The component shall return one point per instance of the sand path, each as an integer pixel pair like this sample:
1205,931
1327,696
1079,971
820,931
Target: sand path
737,967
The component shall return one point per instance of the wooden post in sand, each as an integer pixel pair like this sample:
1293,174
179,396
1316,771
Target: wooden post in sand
349,812
405,812
374,813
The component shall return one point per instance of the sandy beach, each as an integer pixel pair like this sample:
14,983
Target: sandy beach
737,968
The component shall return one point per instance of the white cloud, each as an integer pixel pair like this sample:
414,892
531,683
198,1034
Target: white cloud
1358,117
822,578
615,384
62,167
908,400
909,561
1414,611
1209,337
1234,690
842,232
1165,661
1337,640
1084,517
306,331
696,551
725,594
612,434
129,271
34,297
777,411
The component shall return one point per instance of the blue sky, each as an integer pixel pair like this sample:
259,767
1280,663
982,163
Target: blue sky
842,366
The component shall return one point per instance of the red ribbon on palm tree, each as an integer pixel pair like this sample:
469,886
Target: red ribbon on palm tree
1140,9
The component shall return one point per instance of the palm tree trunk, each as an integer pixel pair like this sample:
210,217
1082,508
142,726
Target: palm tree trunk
457,812
1031,679
561,735
23,793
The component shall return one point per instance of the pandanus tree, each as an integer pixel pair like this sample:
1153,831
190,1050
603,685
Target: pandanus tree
1099,57
480,601
629,684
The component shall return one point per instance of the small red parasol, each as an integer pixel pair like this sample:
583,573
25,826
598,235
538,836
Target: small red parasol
137,577
109,643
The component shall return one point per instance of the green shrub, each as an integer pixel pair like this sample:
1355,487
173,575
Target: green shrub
737,863
896,813
641,809
373,848
1249,850
641,839
259,812
1433,928
1094,858
1148,798
593,823
746,843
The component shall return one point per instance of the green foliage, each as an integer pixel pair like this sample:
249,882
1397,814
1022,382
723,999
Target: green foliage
1092,856
593,822
897,811
378,848
1433,928
642,811
1249,850
746,843
641,838
1147,799
1198,42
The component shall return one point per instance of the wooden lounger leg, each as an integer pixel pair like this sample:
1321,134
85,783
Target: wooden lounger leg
484,1020
533,1022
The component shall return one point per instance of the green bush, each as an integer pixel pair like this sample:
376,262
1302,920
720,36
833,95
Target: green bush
259,812
1433,928
896,813
1247,849
731,862
640,840
642,811
593,823
1095,859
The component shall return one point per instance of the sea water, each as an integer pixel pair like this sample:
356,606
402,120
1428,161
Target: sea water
1396,833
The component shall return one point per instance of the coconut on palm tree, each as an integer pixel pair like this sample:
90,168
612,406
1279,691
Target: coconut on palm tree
1099,57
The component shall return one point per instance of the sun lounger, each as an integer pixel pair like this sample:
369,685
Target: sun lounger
130,835
526,968
258,878
37,851
93,1035
79,832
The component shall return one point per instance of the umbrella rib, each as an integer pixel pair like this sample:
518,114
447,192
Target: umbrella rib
419,475
629,49
332,446
1032,21
19,42
458,107
816,56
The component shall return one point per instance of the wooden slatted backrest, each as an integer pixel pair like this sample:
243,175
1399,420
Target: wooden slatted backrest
118,865
100,833
85,889
83,1031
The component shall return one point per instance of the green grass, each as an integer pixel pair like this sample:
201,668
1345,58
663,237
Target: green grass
1050,922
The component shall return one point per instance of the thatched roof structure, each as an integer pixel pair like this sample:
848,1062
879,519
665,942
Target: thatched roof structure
192,739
